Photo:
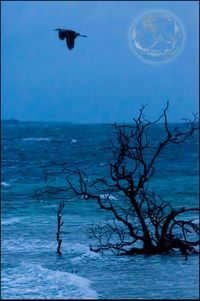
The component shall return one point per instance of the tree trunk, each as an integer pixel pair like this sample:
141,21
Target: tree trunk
148,245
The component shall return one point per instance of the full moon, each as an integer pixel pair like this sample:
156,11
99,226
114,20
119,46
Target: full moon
156,36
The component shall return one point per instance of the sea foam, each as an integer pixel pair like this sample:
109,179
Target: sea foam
33,281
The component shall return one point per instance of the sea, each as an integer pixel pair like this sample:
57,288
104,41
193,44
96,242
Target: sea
30,266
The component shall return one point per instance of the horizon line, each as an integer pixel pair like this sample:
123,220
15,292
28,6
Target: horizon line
15,120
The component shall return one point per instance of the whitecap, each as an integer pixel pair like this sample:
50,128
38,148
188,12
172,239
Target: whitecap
103,164
11,220
24,244
73,141
108,196
33,281
50,206
196,221
78,249
5,184
81,252
36,139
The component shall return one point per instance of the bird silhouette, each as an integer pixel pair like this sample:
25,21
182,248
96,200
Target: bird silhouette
69,35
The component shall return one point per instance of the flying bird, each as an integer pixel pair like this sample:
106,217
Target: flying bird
69,35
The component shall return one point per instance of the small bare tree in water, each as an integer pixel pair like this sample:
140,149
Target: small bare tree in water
59,225
141,222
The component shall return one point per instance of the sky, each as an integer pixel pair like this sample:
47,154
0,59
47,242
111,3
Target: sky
101,79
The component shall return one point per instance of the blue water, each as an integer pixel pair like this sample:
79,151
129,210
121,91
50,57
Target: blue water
30,267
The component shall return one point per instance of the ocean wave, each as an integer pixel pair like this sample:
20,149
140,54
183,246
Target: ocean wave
103,164
36,139
50,206
73,141
76,251
196,221
11,220
33,281
5,184
27,244
108,196
81,252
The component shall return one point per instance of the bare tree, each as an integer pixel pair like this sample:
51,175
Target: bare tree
141,222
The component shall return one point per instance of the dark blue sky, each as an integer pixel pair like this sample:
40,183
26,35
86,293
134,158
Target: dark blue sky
101,79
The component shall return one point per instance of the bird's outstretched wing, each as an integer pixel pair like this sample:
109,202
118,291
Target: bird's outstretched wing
62,35
70,42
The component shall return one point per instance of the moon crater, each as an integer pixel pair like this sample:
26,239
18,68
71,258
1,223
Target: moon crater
157,36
